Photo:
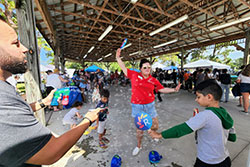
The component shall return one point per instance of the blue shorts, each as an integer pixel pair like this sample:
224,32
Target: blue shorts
244,87
147,108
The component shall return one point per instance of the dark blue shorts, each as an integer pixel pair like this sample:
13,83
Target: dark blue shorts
244,87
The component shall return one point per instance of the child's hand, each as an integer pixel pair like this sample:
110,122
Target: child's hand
196,111
154,134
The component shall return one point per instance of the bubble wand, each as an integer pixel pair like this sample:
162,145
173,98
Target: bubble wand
124,43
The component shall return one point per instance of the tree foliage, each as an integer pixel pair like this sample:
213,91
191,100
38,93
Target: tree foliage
73,65
8,12
198,53
169,59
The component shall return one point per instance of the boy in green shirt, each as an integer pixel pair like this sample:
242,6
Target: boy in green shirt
214,127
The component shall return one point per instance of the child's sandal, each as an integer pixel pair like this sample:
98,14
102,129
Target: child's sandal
103,145
104,139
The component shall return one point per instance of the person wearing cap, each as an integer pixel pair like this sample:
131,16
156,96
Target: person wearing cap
24,141
54,81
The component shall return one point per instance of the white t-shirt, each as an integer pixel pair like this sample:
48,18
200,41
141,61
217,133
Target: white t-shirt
244,79
54,81
212,137
210,75
11,80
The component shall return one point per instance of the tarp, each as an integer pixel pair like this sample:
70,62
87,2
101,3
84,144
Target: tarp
158,65
74,95
170,68
206,64
93,68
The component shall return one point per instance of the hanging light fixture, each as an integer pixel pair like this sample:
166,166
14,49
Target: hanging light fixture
110,27
90,50
131,54
99,59
166,43
128,45
108,55
229,24
180,19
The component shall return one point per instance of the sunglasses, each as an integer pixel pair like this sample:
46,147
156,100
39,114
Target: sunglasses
146,68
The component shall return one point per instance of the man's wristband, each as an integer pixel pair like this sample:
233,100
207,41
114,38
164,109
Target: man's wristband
90,122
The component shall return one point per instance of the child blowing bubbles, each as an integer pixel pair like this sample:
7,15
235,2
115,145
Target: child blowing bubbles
214,127
101,121
73,114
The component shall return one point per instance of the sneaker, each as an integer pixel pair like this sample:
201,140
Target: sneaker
136,151
242,111
239,105
156,140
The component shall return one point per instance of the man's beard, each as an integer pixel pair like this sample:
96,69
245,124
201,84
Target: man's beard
16,67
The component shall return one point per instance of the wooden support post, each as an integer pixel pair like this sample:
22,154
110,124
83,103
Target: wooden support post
182,58
56,55
246,51
62,60
27,33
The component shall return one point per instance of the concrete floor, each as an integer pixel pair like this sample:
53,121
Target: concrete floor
175,109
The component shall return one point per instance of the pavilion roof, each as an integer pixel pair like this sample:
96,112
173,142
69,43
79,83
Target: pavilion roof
76,25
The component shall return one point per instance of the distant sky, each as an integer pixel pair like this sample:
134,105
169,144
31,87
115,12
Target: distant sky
1,6
43,59
233,55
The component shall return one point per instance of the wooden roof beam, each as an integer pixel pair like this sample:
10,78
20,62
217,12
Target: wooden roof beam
43,9
113,12
210,42
100,13
99,20
245,3
202,10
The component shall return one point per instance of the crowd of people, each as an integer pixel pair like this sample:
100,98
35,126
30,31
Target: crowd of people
190,80
26,142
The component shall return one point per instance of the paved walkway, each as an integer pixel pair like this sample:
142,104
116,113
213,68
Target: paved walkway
175,108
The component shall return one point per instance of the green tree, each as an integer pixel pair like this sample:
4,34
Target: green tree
235,64
9,12
169,59
73,65
198,53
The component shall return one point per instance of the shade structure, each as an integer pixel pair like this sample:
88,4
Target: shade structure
93,68
170,68
206,64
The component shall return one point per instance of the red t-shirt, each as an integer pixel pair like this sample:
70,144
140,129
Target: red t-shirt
143,89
